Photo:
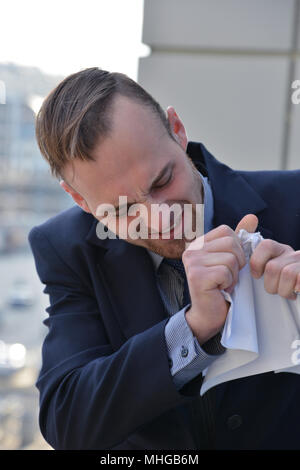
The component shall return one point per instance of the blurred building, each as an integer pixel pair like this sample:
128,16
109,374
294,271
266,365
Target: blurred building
227,67
18,150
25,88
28,192
28,195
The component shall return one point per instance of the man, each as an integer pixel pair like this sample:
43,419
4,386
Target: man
129,333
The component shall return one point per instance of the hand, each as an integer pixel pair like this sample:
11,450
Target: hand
280,265
213,267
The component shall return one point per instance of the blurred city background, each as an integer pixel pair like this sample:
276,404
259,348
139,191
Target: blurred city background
226,65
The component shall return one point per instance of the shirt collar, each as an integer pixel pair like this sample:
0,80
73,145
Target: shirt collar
208,217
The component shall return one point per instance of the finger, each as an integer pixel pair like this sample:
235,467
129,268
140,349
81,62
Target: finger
196,244
226,259
220,231
227,244
216,233
265,251
249,223
273,270
288,280
272,274
216,277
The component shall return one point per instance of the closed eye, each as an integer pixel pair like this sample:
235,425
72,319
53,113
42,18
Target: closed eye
165,183
123,211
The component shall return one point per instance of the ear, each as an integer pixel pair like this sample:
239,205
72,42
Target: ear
76,196
177,127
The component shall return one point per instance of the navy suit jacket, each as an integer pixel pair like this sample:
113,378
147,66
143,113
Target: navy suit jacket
105,380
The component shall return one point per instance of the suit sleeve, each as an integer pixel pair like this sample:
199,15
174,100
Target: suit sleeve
91,396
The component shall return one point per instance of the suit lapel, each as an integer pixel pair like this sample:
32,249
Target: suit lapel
130,280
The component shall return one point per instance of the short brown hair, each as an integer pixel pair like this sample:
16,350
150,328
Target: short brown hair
75,116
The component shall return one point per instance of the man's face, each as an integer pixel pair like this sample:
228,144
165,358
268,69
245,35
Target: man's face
127,163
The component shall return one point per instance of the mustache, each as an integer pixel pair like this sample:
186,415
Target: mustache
172,221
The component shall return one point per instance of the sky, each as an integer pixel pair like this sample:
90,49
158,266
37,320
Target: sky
64,36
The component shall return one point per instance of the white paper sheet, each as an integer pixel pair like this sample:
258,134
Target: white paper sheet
261,332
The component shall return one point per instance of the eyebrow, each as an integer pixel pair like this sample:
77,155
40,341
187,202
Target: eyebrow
154,182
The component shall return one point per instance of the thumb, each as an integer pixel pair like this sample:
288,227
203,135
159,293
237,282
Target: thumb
249,222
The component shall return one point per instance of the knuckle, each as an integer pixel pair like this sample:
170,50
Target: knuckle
271,268
268,243
254,263
269,289
225,272
232,261
288,272
230,278
288,248
226,230
293,257
230,242
187,256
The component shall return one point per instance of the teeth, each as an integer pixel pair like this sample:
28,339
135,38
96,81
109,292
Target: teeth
168,229
171,228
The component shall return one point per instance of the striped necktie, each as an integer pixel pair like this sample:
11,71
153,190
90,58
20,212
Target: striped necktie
178,265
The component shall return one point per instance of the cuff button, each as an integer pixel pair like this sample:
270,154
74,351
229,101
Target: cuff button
184,351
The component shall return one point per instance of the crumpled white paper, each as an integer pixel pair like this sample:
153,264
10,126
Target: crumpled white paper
261,332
